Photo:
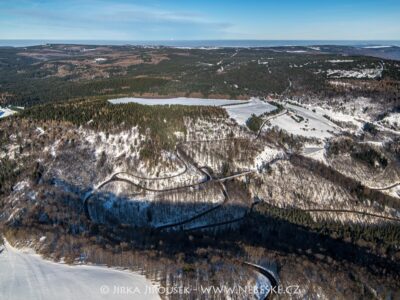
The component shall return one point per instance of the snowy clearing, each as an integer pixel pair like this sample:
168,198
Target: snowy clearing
25,275
5,112
177,101
304,122
244,111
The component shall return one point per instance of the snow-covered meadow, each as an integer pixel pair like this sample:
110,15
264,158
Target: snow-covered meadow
242,112
305,122
25,275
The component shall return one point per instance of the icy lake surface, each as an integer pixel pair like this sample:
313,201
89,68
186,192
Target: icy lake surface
25,275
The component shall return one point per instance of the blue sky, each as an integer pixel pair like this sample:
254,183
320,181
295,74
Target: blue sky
196,20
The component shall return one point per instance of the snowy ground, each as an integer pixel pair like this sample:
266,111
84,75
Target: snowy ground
242,112
364,73
25,275
392,120
177,101
5,112
266,156
313,124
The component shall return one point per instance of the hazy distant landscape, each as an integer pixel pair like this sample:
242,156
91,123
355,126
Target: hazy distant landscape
199,150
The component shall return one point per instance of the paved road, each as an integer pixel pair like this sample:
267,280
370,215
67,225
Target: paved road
385,187
267,273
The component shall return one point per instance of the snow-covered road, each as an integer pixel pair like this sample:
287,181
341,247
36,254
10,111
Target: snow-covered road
25,275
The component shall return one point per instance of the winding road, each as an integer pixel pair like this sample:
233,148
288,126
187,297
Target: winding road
384,188
268,274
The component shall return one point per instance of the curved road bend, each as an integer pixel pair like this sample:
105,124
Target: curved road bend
384,188
267,273
198,215
225,222
159,178
269,119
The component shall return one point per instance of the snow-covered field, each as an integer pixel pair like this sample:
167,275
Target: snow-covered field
177,101
25,275
242,112
312,125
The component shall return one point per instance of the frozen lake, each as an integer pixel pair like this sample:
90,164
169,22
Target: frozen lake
177,101
25,275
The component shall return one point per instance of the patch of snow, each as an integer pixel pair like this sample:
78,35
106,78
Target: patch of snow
266,156
392,120
365,73
336,61
21,186
100,59
5,112
40,130
179,134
